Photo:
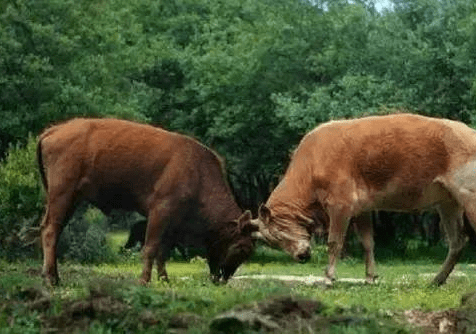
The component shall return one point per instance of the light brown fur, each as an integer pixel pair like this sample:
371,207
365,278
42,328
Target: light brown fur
345,169
175,181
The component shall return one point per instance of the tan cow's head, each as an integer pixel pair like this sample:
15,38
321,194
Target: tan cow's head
290,233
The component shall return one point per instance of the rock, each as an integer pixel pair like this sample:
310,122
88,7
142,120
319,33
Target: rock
185,320
274,315
289,306
239,321
469,300
466,315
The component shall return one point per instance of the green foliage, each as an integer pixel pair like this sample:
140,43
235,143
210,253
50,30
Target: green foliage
33,57
84,238
247,78
21,201
21,208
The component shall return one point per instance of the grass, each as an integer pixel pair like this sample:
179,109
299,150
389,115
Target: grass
404,285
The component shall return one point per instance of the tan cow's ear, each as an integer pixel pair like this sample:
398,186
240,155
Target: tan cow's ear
264,213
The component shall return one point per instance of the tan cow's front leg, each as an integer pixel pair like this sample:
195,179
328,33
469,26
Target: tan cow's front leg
451,216
365,231
338,224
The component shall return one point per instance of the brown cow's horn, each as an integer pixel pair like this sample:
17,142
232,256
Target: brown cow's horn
257,236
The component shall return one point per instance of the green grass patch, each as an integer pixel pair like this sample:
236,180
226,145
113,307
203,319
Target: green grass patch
403,285
117,239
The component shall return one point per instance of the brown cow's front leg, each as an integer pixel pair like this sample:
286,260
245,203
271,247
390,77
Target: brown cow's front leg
161,272
339,221
365,231
49,238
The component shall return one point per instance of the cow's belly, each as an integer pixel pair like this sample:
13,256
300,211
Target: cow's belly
411,198
189,233
110,198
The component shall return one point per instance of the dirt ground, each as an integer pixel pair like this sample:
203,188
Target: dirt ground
273,315
438,322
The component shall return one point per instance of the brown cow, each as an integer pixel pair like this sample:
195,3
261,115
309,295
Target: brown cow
345,169
175,181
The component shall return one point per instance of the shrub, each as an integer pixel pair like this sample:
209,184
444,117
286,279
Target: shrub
21,201
22,205
84,238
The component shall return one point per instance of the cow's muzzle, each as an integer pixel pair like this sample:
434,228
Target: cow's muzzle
304,257
303,252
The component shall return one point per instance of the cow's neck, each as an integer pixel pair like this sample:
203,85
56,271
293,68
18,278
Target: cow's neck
227,210
293,199
221,208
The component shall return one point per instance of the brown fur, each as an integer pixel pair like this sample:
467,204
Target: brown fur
175,181
345,169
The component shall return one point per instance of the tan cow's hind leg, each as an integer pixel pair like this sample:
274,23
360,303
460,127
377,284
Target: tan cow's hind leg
451,215
338,224
365,231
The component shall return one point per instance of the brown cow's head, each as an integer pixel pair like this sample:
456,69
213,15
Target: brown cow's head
233,244
292,234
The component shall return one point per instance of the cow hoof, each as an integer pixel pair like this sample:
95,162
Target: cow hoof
329,282
143,282
217,280
164,279
50,280
438,282
371,279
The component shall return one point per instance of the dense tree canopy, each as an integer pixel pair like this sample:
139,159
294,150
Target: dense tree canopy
246,77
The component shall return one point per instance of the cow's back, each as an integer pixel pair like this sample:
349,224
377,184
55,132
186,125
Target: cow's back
355,161
122,164
401,143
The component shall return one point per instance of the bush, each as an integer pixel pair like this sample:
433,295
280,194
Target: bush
22,205
21,201
84,238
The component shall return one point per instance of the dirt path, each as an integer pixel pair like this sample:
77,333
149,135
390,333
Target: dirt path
308,280
316,280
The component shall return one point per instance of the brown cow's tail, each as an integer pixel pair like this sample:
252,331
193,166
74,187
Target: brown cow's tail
41,167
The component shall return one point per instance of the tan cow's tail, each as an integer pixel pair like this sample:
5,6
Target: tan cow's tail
41,167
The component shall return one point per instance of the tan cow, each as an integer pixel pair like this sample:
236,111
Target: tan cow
345,169
175,181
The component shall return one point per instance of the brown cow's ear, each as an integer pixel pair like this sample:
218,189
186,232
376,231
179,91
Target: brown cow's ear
245,217
264,213
246,224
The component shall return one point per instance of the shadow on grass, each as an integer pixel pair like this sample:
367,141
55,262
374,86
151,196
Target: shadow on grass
418,252
428,254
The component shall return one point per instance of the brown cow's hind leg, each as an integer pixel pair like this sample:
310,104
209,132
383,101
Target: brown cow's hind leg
57,212
451,215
